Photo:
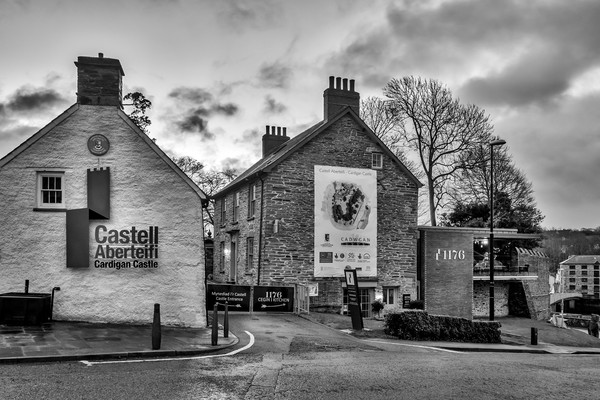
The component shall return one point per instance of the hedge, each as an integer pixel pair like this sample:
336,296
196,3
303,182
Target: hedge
419,325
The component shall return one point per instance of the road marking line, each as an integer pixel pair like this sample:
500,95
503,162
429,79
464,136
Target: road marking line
416,345
246,347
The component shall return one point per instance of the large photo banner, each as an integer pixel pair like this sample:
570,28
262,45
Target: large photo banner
345,221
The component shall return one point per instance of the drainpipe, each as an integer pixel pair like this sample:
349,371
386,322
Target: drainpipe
260,228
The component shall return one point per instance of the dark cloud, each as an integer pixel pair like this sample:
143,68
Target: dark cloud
227,109
29,99
199,105
274,75
241,15
272,106
191,95
547,44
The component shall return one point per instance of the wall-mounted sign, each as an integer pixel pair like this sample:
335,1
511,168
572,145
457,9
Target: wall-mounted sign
449,254
98,145
125,248
345,221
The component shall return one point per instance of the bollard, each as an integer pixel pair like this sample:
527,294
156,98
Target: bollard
534,336
226,321
26,285
156,334
215,327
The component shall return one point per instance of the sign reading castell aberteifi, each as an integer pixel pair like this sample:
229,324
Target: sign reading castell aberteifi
131,247
345,221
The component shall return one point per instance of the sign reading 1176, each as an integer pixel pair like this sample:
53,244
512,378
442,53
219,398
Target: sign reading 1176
450,254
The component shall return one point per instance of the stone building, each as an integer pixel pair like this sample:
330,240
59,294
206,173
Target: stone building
331,197
91,205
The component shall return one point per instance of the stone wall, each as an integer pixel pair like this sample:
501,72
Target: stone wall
145,192
537,291
447,261
288,250
481,299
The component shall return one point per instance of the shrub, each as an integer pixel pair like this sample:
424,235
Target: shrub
416,305
377,306
419,325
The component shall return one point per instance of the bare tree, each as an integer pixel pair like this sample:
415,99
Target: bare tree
209,181
375,112
439,129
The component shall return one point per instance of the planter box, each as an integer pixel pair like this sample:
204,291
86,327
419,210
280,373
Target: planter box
25,308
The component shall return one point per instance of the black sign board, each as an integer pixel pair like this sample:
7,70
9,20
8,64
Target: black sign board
353,299
405,300
238,297
274,298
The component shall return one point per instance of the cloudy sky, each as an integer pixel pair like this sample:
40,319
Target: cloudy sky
217,72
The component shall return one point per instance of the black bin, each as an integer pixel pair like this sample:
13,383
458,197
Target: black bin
25,308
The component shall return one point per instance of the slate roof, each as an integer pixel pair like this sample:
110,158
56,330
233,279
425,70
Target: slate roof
581,260
266,164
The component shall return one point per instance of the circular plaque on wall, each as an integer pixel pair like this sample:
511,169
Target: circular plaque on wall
98,144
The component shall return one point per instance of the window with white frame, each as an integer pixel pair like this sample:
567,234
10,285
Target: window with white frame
50,190
376,160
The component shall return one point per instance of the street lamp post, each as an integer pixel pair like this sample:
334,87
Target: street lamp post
498,142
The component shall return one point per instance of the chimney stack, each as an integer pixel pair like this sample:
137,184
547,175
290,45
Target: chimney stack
99,81
274,137
340,94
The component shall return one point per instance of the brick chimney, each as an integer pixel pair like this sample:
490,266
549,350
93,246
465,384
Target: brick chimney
274,137
340,94
99,81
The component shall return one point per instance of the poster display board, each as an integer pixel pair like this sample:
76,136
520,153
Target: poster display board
273,298
345,221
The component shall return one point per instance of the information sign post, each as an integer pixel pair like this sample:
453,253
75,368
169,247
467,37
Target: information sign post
353,299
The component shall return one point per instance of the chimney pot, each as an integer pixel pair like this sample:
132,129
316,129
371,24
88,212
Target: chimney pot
99,81
338,97
273,139
284,131
268,129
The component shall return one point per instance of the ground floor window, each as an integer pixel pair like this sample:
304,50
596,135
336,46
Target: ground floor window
389,296
366,298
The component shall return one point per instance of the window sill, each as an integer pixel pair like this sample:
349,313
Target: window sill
50,209
251,218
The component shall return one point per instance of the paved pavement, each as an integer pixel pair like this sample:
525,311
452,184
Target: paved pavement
68,341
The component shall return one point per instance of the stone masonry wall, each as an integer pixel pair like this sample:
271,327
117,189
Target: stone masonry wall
145,192
289,199
537,291
288,254
448,272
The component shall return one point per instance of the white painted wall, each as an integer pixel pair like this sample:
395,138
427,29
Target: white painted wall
145,191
